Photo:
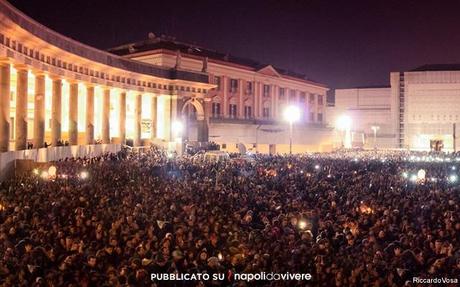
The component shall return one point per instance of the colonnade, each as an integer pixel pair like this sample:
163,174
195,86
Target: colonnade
21,113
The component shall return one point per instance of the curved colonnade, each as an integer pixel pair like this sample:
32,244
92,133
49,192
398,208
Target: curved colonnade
54,89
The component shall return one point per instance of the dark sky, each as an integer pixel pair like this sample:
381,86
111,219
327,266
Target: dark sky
339,43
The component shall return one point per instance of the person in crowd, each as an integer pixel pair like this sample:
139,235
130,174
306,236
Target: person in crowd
349,218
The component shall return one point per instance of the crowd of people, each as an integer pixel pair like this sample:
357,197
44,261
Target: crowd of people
348,219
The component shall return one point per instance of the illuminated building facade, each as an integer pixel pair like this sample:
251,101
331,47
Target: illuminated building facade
55,90
419,111
246,107
369,110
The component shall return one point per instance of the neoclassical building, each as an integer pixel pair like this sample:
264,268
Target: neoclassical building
419,110
54,90
246,107
60,98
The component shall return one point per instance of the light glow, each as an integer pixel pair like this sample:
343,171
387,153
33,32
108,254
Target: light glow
84,175
302,224
343,123
177,128
292,114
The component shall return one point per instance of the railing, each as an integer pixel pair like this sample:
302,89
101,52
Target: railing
222,120
7,159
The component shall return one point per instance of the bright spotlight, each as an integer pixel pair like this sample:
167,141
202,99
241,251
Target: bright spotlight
84,175
45,175
421,174
405,175
35,171
52,171
177,128
343,123
291,114
453,167
317,166
302,224
453,178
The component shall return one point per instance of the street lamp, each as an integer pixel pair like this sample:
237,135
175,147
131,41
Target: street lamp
344,124
375,129
291,114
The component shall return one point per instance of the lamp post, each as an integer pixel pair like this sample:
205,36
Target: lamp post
344,124
375,129
291,114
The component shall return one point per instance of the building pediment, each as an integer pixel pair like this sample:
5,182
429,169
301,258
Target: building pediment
269,71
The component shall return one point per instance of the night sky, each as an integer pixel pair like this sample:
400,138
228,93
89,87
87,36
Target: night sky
339,43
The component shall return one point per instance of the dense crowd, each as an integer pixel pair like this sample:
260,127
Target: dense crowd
349,219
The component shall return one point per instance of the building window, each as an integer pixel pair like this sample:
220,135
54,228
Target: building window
281,93
215,110
312,117
232,111
302,96
248,88
266,112
312,99
266,90
247,112
233,85
320,99
217,82
292,96
320,117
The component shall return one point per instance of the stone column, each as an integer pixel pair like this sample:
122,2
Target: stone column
241,90
224,108
21,109
273,112
56,111
276,93
4,107
202,122
89,115
137,120
175,106
153,110
255,101
106,117
73,114
261,102
122,122
287,97
39,111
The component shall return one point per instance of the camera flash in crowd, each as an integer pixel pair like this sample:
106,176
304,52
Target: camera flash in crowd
84,175
302,224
